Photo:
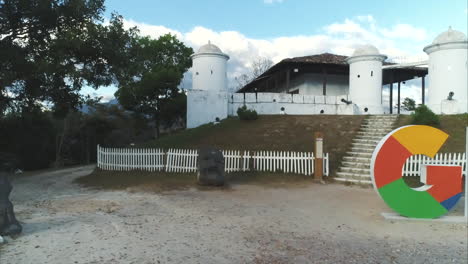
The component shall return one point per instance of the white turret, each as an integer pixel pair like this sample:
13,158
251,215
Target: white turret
207,101
448,73
209,71
365,79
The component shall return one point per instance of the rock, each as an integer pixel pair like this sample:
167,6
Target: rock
8,223
210,167
2,240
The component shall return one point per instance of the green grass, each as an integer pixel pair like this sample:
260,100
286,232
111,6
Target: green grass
454,125
282,133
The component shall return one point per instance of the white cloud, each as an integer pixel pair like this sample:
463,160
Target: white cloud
401,41
153,31
405,31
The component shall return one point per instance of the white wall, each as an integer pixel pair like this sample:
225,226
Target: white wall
448,72
312,84
209,72
205,106
293,104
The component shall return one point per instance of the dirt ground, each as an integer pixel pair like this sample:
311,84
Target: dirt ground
66,223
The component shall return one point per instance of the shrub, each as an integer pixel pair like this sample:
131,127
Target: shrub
246,114
424,116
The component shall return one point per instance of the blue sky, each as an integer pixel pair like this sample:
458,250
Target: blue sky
262,19
278,29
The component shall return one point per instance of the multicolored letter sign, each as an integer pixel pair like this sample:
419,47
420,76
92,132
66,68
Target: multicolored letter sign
443,183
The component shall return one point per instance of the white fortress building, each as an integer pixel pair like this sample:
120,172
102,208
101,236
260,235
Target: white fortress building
448,67
330,84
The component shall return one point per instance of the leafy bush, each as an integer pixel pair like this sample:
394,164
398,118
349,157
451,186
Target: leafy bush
246,114
424,116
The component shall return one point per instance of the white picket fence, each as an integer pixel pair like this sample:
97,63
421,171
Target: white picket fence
124,159
287,161
413,164
185,160
181,160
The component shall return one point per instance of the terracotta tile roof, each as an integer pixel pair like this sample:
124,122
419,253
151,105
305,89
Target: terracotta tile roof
325,58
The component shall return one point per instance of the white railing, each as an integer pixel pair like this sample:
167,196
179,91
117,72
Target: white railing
413,164
185,160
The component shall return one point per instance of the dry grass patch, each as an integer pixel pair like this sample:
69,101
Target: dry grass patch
162,182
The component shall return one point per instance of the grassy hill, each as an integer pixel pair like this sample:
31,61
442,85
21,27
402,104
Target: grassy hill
295,133
284,133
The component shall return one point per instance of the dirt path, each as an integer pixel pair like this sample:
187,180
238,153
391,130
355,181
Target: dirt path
64,223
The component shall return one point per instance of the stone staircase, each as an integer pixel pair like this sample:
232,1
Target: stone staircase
355,166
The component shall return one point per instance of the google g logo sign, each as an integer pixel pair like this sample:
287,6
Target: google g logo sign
443,184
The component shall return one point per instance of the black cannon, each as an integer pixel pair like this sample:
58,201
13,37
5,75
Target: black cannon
346,101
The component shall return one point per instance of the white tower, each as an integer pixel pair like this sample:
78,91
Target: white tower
448,73
207,101
209,71
365,79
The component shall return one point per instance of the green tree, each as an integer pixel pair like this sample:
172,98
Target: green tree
154,75
50,49
174,112
408,104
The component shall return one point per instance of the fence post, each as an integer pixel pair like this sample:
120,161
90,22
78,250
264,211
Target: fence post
318,156
466,175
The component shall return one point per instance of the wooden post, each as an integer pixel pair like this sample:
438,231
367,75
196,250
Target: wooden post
423,89
398,97
466,175
318,172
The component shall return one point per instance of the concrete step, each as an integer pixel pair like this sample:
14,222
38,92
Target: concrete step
372,133
356,159
362,149
356,164
375,130
382,125
360,182
373,142
375,120
353,176
364,145
383,117
369,137
359,154
362,171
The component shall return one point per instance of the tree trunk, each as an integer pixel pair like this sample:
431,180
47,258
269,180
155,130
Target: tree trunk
156,121
58,154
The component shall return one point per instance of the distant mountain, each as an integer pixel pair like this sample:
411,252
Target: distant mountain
87,109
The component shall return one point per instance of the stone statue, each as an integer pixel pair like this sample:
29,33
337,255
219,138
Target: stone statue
210,167
8,223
